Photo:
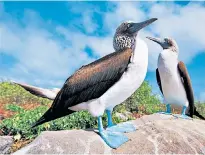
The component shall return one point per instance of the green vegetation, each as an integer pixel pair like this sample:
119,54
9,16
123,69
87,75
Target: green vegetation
17,95
13,107
21,109
143,100
200,108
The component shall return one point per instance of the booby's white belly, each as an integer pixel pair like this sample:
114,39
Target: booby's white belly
173,89
124,88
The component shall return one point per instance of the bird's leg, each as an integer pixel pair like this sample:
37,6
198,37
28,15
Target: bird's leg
109,116
183,115
112,139
122,127
168,110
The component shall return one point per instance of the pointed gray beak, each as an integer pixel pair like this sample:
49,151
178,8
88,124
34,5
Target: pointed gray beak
135,27
157,40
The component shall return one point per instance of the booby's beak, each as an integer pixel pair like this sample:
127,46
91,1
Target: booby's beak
157,40
135,27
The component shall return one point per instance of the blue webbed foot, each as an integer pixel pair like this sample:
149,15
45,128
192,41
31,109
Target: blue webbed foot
168,110
113,139
164,112
183,116
122,127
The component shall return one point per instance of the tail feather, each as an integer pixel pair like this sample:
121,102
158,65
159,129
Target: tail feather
39,122
50,115
195,112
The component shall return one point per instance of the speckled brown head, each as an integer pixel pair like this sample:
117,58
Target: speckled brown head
166,43
126,33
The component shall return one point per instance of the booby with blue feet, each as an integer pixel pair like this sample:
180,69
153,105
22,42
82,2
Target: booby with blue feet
173,80
105,83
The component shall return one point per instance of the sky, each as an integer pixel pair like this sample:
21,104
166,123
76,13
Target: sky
43,43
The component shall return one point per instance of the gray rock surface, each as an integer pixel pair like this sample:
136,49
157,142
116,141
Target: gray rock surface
5,144
156,134
124,116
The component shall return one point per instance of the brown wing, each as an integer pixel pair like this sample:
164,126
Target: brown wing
93,80
159,80
89,82
187,85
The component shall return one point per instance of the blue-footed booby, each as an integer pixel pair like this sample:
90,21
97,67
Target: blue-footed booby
173,80
105,83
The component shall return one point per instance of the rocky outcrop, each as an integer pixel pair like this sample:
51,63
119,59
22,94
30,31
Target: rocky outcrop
5,144
156,134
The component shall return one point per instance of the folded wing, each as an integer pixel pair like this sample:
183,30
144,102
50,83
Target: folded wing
159,80
89,82
93,80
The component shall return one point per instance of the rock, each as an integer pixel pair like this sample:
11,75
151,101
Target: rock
121,116
156,134
124,116
5,144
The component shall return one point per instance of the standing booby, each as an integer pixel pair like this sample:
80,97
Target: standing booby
173,79
105,83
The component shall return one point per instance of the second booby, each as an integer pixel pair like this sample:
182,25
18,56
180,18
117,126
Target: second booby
173,79
105,83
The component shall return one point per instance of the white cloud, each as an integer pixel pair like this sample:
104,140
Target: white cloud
88,22
184,24
39,54
48,53
124,11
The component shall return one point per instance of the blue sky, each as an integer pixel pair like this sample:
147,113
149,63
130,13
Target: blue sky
42,43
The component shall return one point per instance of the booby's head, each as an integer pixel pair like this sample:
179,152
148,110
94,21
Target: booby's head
166,43
126,33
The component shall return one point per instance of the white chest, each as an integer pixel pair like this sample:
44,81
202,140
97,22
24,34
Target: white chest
130,80
173,89
124,88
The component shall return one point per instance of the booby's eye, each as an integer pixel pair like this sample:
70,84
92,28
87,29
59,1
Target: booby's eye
168,41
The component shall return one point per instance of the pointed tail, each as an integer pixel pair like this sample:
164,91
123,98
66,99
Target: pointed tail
50,115
195,112
39,122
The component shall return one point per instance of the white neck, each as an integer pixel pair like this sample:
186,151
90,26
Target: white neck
140,55
167,57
